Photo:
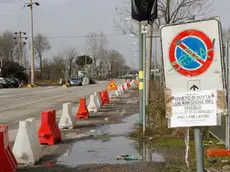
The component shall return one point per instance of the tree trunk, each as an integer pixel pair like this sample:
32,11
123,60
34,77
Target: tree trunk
41,74
70,69
95,66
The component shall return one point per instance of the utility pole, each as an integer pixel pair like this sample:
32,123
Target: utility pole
19,35
30,5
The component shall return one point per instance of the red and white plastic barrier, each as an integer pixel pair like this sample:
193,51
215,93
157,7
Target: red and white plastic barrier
8,162
27,148
49,132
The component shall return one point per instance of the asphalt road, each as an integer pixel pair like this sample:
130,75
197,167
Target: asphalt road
19,104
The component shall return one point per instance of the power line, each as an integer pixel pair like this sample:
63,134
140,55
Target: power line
80,36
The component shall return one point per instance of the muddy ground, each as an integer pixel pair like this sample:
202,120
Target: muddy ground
135,167
123,107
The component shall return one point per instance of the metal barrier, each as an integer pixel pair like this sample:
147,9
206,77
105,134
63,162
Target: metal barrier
219,132
222,132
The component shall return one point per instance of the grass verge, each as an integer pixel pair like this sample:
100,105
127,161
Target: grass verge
162,137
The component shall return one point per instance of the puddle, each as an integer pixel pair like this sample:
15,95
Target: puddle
98,151
149,155
125,127
106,150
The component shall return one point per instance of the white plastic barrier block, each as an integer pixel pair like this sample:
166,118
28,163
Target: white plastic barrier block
67,120
132,84
27,148
99,103
121,89
38,153
93,105
111,93
117,93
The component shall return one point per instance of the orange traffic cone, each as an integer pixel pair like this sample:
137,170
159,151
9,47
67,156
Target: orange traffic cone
82,111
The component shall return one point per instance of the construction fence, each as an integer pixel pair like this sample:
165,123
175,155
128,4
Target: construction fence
221,132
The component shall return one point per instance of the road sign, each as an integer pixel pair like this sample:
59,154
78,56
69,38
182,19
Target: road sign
112,85
191,109
144,29
192,54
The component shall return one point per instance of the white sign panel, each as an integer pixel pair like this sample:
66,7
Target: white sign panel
192,56
193,109
144,29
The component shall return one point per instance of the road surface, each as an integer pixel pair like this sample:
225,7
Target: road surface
19,104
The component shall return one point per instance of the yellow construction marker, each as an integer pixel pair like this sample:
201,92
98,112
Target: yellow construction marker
141,85
141,75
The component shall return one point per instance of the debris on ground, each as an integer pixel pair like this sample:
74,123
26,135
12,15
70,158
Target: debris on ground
127,157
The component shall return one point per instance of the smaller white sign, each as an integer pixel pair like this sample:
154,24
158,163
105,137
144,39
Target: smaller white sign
193,109
144,29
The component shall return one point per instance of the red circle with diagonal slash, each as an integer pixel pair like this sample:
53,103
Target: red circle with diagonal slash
209,51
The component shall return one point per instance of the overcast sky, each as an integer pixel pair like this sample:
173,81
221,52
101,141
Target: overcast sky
59,18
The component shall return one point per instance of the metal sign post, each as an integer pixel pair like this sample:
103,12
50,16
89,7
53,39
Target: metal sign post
193,77
140,12
199,150
228,100
144,32
140,75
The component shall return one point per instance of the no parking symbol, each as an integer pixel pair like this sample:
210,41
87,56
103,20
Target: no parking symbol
191,52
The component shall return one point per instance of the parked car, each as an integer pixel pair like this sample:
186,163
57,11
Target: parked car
17,81
4,83
76,81
13,83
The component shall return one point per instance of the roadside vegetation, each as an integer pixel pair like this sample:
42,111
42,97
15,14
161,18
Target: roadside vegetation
157,130
173,140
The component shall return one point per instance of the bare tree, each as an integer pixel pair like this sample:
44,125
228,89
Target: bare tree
116,60
103,43
168,12
58,67
41,45
7,46
70,54
54,69
97,43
